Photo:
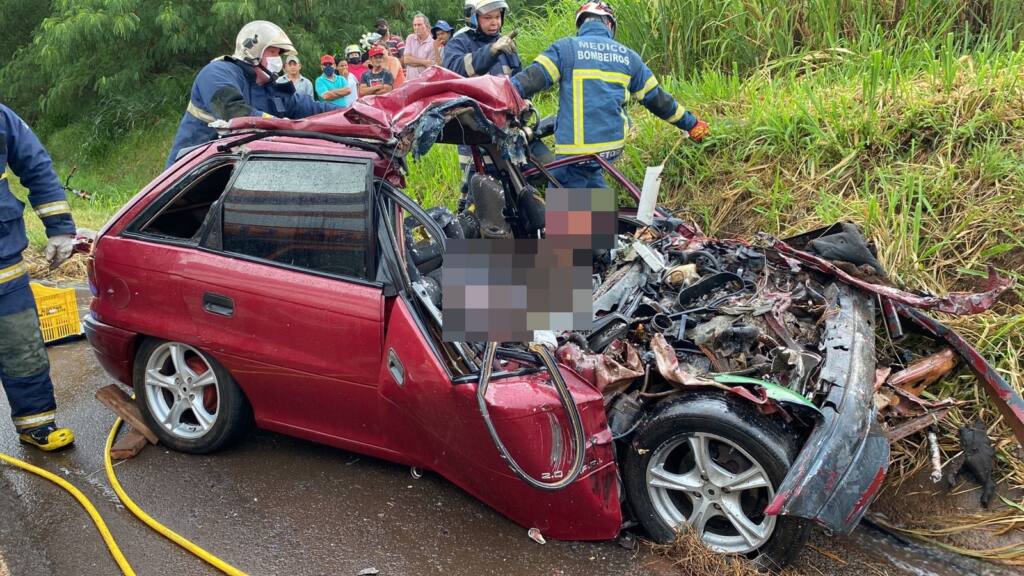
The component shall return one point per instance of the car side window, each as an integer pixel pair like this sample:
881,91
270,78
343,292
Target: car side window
308,214
183,215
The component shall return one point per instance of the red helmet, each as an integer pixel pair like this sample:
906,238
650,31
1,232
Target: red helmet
602,9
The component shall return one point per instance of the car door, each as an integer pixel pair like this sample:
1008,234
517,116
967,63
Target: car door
283,293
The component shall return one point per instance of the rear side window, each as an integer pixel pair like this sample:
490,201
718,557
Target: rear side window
305,214
183,215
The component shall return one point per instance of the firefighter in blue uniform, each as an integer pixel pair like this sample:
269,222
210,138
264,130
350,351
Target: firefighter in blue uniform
24,365
482,50
596,75
243,84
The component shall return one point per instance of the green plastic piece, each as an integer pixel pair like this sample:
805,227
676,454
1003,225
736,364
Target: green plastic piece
774,391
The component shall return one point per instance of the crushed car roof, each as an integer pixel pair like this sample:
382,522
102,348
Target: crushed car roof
414,116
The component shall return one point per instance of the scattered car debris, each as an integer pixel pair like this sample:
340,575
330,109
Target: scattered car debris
936,459
536,536
787,331
369,572
978,458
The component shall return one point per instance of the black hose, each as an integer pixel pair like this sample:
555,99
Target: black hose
568,404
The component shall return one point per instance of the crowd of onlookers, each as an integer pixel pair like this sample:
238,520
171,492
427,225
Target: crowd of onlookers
378,64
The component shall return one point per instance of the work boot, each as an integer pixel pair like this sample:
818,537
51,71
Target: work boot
48,438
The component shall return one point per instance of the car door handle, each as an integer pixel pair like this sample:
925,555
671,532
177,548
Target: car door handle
395,367
218,304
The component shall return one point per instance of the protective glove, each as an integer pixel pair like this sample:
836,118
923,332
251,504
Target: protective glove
58,249
504,44
699,131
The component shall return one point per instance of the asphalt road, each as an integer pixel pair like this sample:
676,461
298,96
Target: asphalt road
271,505
276,505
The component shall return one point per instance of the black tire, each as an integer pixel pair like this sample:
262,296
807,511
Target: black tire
709,415
233,413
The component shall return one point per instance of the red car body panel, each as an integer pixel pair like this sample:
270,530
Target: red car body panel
394,114
441,425
312,352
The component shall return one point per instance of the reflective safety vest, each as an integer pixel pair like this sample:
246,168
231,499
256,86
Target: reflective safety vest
596,76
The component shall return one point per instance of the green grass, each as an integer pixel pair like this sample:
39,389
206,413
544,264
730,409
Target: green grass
111,179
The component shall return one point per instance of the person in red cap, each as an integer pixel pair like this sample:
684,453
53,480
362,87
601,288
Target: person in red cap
335,86
377,80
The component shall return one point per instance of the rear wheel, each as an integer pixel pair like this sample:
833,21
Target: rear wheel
187,398
712,463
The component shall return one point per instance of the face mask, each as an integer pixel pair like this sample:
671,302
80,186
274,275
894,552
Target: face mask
383,32
329,70
274,64
353,60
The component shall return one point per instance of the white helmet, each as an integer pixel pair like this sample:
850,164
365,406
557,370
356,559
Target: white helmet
369,39
257,36
486,7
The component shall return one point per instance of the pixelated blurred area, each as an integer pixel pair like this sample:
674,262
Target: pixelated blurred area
502,290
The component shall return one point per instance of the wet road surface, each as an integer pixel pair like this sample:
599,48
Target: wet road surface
270,505
276,505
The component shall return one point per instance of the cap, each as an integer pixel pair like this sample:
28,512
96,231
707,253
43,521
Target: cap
352,49
327,59
291,58
381,21
440,26
376,50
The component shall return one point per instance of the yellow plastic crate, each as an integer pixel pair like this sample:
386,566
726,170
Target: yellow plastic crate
58,312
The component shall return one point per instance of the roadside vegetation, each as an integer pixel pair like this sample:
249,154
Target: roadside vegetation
905,116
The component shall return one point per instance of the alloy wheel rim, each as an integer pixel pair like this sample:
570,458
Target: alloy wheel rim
710,484
182,390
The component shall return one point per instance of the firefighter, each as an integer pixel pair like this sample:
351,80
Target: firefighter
24,365
480,51
243,84
595,75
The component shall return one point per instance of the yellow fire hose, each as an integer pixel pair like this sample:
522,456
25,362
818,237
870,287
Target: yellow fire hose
149,521
115,551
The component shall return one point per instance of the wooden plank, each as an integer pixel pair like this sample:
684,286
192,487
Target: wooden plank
114,398
128,445
915,425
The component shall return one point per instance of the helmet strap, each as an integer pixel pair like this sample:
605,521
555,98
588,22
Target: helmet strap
273,76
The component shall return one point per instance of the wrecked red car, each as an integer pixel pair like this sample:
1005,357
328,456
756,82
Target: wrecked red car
280,275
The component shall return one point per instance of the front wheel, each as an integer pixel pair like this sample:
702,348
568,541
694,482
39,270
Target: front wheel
187,398
712,463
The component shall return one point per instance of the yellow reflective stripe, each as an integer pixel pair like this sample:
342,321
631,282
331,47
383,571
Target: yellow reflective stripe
549,66
53,208
651,83
33,420
467,61
199,112
13,272
589,148
595,74
3,176
578,76
680,110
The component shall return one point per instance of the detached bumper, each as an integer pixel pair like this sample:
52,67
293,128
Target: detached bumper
841,467
114,348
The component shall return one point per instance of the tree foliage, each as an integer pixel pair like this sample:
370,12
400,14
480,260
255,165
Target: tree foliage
119,62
